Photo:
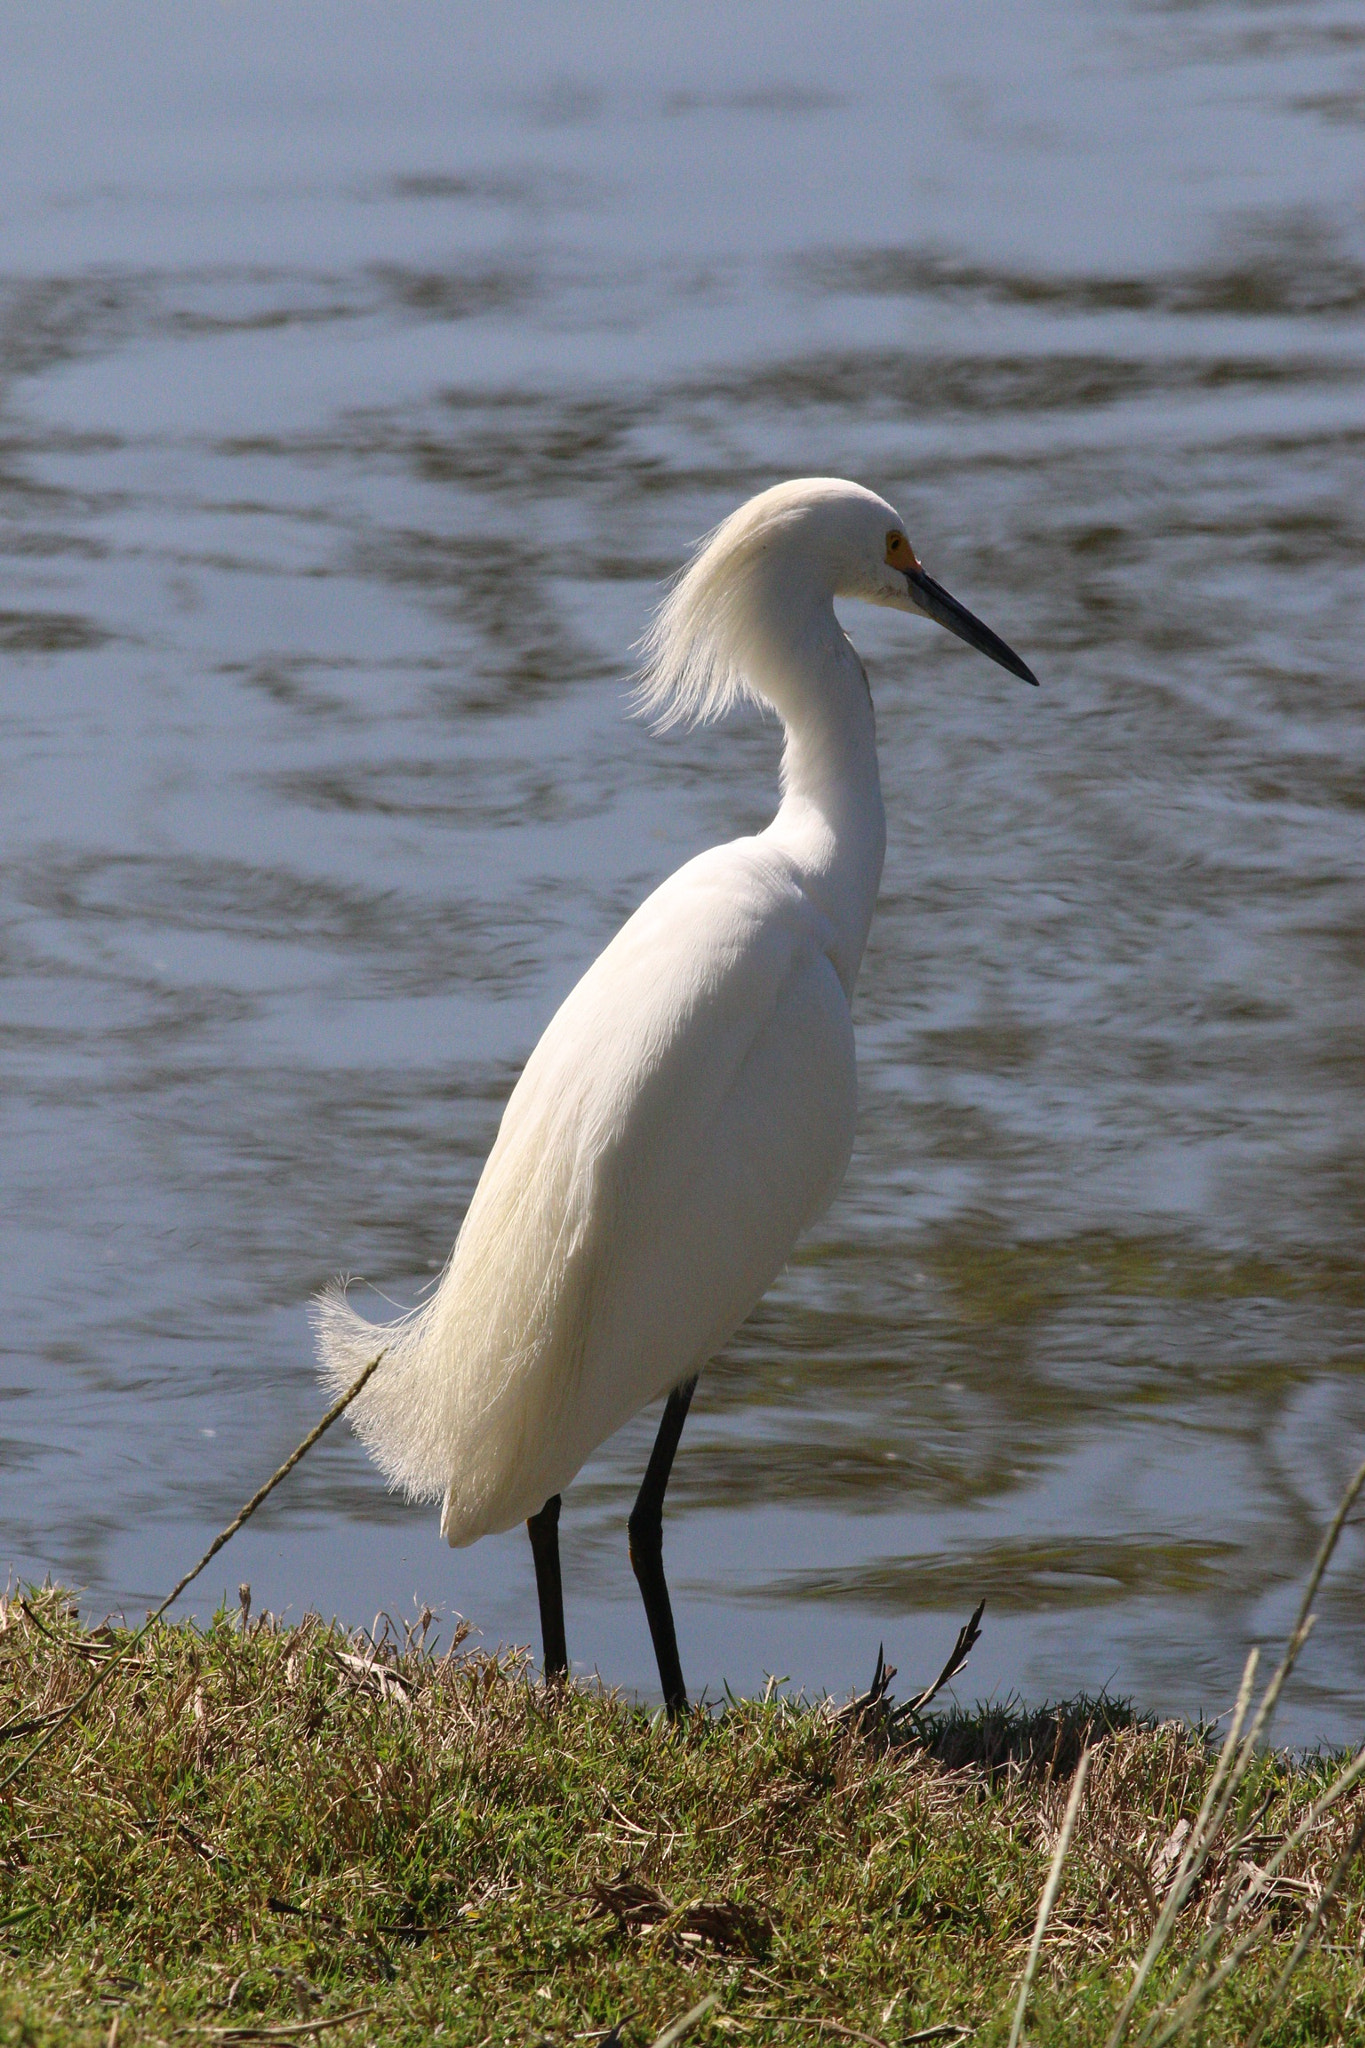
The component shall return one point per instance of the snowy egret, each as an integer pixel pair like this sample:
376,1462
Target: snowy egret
690,1107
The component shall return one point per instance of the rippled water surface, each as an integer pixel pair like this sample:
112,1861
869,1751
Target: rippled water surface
362,374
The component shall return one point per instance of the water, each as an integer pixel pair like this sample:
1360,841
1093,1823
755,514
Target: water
362,373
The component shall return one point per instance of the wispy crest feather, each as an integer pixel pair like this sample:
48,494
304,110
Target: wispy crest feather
695,652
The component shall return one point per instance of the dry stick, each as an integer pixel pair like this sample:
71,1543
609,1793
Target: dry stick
25,1724
1333,1886
337,1408
796,2019
1050,1889
288,2032
967,1638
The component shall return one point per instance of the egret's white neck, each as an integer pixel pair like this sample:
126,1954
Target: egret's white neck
831,823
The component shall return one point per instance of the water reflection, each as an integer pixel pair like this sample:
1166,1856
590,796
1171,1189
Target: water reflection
334,488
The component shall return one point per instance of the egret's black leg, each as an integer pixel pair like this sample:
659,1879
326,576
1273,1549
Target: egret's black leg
647,1546
543,1530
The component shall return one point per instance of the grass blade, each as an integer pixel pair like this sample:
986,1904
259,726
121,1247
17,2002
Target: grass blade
690,2019
1301,1946
1050,1889
1187,1870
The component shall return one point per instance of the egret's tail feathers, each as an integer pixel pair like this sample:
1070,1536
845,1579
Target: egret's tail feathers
399,1416
476,1403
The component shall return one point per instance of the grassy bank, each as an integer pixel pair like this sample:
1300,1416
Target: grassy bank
253,1830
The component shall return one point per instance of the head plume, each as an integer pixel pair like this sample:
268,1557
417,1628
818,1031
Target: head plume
710,644
696,651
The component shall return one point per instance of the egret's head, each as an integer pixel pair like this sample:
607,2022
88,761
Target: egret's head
878,563
797,545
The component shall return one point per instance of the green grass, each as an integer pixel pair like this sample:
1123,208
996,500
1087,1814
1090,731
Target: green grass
242,1830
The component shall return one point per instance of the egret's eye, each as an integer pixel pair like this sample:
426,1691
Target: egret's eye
899,553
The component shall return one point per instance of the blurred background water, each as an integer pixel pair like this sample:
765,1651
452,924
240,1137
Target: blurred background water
363,371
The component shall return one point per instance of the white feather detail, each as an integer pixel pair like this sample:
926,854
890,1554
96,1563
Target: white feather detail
488,1362
697,662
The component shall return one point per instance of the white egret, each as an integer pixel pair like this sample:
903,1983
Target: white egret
690,1107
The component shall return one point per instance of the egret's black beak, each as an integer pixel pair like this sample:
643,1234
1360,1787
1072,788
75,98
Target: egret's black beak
933,600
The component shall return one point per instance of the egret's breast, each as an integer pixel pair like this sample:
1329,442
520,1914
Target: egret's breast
739,1141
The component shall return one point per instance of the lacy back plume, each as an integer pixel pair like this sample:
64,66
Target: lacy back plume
477,1378
695,650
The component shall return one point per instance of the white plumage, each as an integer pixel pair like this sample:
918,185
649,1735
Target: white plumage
690,1107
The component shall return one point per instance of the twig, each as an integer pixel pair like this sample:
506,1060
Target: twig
690,2019
796,2019
25,1725
38,1622
225,1535
1050,1890
283,2033
967,1638
861,1712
